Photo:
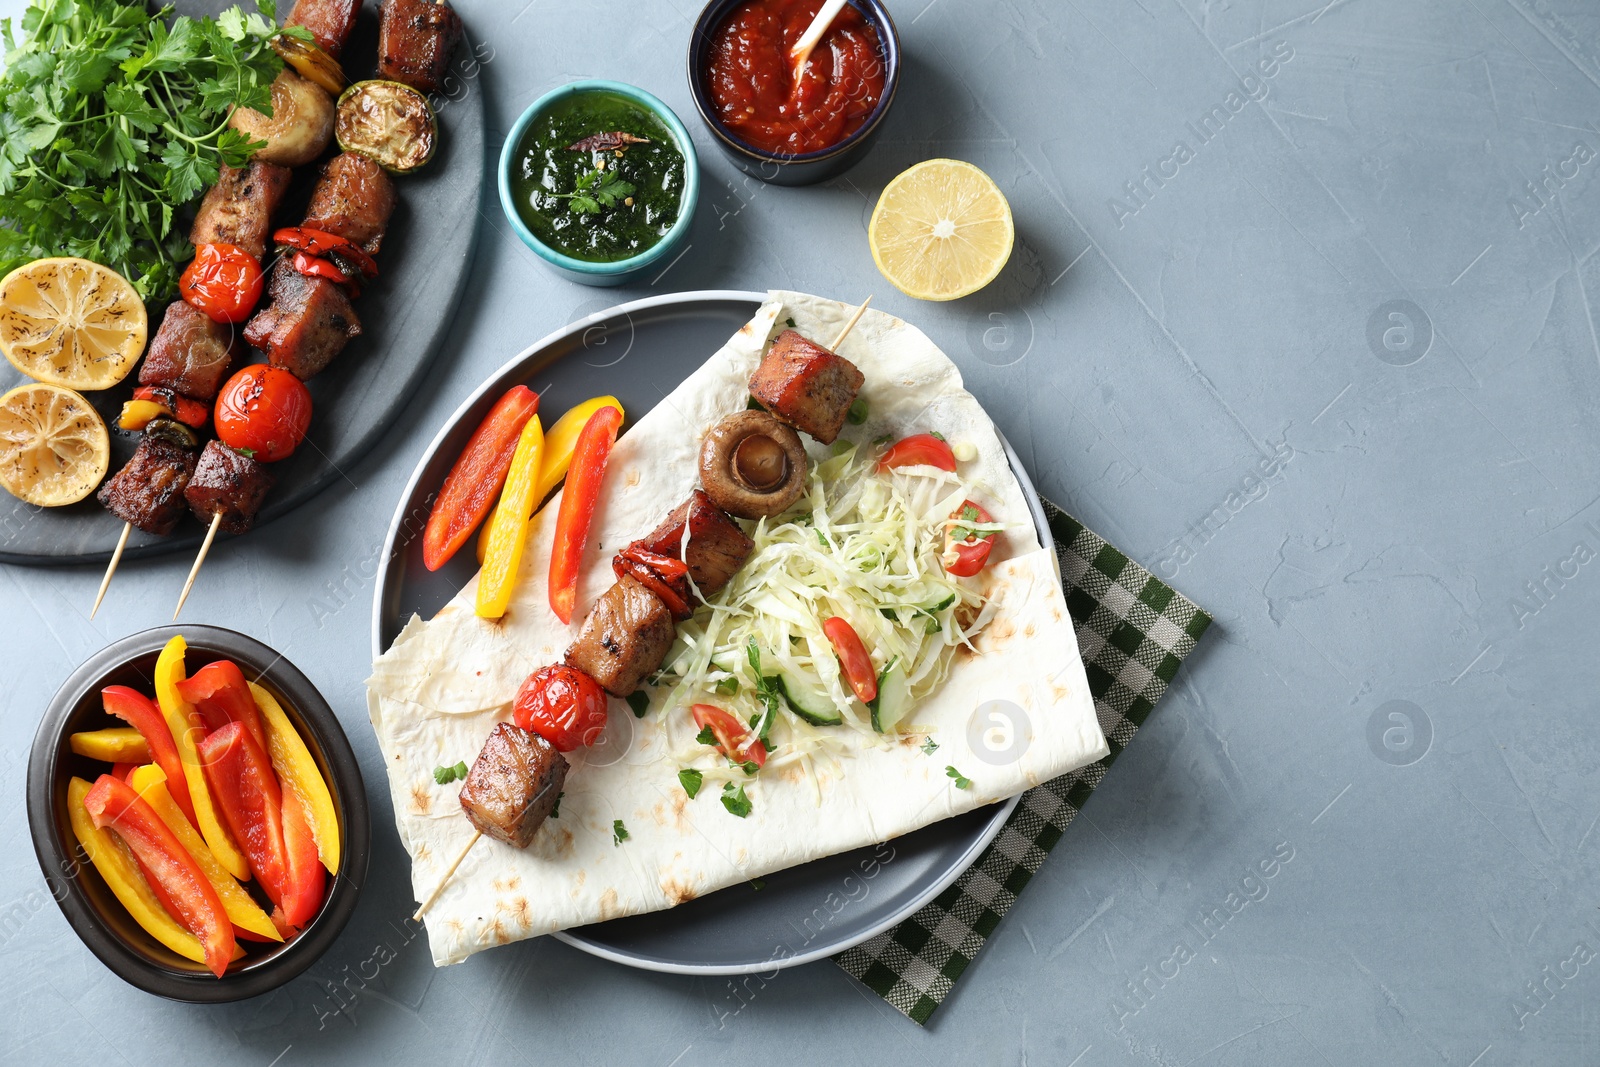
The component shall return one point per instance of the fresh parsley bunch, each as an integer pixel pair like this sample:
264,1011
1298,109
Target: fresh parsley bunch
112,119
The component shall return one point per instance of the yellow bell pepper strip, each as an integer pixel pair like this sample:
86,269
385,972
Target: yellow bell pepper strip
298,773
120,744
116,865
246,915
508,526
578,502
184,722
559,441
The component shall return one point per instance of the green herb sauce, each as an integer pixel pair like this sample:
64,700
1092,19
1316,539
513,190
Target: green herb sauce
549,179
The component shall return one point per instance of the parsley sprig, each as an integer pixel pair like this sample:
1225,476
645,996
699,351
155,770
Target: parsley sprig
111,120
596,190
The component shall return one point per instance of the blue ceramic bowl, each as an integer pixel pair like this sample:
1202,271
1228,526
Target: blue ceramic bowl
782,168
621,271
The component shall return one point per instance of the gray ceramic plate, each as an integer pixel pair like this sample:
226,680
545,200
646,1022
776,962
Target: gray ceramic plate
404,313
639,352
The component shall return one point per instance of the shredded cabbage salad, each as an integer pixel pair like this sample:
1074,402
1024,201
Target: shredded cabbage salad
862,545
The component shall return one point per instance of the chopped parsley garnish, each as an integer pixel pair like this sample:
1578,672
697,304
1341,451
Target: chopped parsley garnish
735,800
750,766
822,539
752,405
639,701
690,779
936,433
705,736
766,689
728,686
789,322
858,412
965,533
883,439
962,781
757,884
555,812
619,832
929,747
596,189
446,775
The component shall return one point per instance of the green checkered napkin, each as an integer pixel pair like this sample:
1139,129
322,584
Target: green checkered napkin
1133,633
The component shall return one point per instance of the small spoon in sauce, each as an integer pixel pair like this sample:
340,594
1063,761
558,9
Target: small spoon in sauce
801,52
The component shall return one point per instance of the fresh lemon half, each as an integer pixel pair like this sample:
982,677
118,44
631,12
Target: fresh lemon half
941,230
54,448
70,322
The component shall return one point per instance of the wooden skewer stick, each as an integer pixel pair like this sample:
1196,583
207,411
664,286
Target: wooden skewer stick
808,40
205,546
433,896
111,568
837,341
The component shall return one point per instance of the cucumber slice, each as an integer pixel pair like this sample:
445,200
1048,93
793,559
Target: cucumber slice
806,697
894,698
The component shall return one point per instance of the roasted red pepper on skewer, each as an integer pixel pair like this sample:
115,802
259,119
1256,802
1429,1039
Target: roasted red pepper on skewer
578,502
664,576
474,483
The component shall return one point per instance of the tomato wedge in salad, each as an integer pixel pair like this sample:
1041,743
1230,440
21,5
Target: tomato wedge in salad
733,739
967,550
920,449
853,658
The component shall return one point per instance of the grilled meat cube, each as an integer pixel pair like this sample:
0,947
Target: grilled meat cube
229,483
625,637
148,491
190,353
330,21
416,39
513,785
238,209
806,386
717,546
352,199
309,322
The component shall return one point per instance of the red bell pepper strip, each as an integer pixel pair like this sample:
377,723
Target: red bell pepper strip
135,709
664,576
321,243
122,770
185,409
474,483
317,267
578,502
734,740
251,802
113,805
918,449
853,658
969,554
302,892
220,694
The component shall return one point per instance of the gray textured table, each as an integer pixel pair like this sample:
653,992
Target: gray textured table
1356,236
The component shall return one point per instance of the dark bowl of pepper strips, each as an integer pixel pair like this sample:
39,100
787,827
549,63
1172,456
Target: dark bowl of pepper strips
94,912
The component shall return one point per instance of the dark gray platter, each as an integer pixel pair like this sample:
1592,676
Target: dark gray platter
404,315
639,352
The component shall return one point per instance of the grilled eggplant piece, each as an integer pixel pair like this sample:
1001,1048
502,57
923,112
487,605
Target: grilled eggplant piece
301,124
352,199
190,354
230,483
806,386
309,322
625,637
148,491
238,209
416,39
513,785
717,547
330,21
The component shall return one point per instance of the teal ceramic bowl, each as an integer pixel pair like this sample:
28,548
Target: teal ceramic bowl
621,271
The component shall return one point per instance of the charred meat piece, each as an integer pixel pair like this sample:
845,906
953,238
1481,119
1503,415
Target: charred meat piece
330,21
717,547
148,491
513,785
352,199
190,353
228,483
238,209
416,39
625,637
806,386
309,322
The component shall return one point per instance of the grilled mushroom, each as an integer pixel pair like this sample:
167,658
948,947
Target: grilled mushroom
752,465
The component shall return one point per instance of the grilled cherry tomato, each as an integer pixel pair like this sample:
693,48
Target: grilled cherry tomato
734,739
968,554
224,281
562,705
853,658
918,449
263,411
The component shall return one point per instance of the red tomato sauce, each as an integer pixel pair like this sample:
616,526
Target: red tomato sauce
756,95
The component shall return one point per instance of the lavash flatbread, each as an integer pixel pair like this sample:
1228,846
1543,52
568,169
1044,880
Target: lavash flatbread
441,687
